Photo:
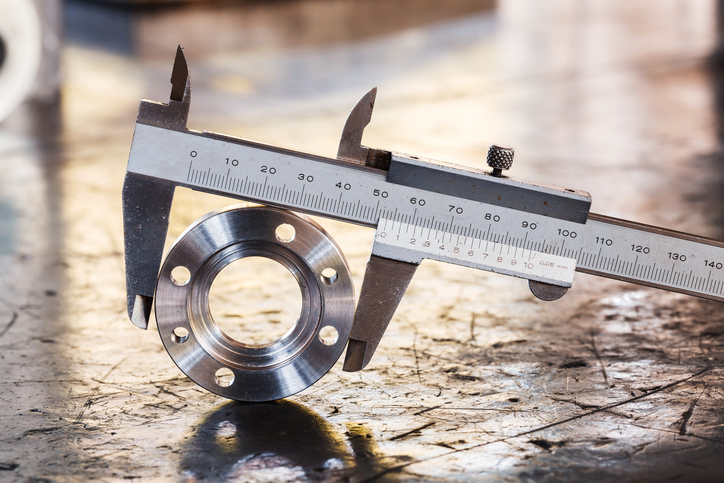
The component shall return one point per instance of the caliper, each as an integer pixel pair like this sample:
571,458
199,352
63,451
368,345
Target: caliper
420,209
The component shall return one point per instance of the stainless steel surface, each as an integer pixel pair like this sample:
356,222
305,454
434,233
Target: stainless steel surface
529,249
657,257
446,199
346,191
147,201
463,184
219,164
146,209
382,289
174,114
500,158
475,379
350,145
258,372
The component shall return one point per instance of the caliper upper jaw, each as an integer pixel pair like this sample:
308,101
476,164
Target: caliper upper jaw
147,201
350,148
350,144
174,114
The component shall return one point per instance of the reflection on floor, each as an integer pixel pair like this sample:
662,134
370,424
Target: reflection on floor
475,378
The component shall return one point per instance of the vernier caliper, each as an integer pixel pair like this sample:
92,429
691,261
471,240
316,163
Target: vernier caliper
420,209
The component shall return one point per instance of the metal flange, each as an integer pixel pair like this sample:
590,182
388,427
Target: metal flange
224,365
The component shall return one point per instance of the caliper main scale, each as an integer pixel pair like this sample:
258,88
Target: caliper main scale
420,209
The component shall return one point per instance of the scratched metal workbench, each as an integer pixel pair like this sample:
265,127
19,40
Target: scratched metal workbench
475,378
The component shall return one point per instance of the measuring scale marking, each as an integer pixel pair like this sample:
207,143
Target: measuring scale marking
602,246
472,252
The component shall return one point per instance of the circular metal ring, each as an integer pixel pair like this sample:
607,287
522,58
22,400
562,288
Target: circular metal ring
285,366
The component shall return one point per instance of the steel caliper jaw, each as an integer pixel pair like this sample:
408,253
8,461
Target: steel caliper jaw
147,201
386,279
383,286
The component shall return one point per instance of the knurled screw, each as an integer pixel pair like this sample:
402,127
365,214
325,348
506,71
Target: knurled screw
500,158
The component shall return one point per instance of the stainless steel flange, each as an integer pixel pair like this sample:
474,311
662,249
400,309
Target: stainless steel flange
231,368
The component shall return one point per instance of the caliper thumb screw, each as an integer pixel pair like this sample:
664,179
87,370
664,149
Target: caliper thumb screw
500,158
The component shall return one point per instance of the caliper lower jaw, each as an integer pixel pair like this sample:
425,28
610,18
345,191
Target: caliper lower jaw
147,201
146,208
383,286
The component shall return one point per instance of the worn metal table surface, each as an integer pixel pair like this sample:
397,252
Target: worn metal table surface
475,378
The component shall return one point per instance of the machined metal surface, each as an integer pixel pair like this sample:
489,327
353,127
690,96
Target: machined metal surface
175,113
146,208
350,144
500,158
232,368
652,256
348,192
468,184
392,240
352,193
546,291
147,201
384,285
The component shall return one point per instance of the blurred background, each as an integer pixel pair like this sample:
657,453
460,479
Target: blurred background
475,378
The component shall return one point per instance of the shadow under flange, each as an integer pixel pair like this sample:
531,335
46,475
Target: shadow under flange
280,440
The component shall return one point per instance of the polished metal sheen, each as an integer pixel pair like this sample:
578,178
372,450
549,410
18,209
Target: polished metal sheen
234,369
